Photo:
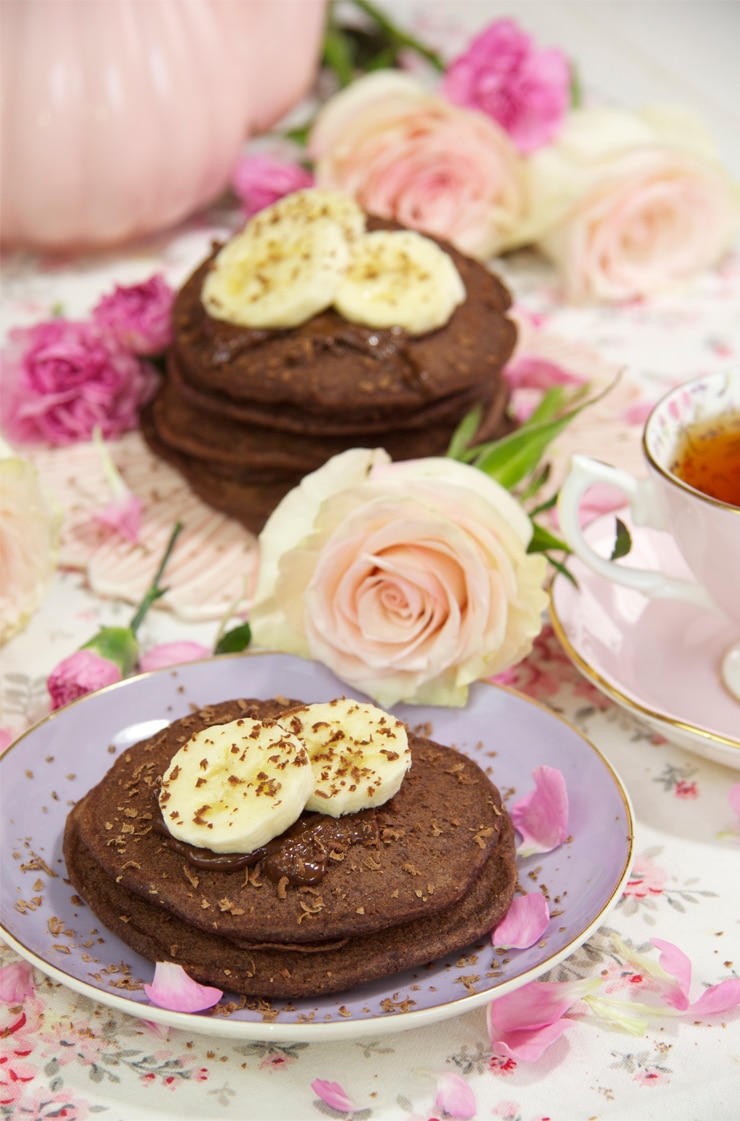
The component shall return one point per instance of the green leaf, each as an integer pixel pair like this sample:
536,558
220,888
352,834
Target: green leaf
117,645
463,435
397,36
561,568
576,96
550,404
622,541
538,480
513,457
338,54
238,638
543,540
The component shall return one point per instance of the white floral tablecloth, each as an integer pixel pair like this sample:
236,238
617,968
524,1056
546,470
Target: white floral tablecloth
61,1055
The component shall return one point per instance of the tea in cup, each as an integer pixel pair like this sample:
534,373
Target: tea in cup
691,445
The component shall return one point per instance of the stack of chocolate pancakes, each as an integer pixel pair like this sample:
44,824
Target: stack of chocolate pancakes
243,413
330,904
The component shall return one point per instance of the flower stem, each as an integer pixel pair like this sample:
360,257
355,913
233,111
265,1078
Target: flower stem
154,591
398,35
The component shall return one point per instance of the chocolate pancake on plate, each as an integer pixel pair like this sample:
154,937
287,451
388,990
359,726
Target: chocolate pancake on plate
387,888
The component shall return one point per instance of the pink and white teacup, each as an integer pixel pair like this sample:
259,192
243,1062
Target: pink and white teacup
694,417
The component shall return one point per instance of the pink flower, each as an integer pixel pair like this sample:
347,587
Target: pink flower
172,988
81,673
408,155
455,1097
409,580
139,316
333,1095
523,1024
16,982
6,738
525,90
62,379
626,205
172,654
260,180
524,923
541,817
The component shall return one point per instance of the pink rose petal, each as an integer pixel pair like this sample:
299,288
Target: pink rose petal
734,797
123,516
172,654
16,982
172,988
334,1096
455,1097
524,923
675,963
716,998
81,673
524,1023
541,817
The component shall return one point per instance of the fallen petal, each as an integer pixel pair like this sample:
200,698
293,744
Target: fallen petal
455,1096
333,1094
524,923
172,988
527,1044
677,967
172,654
122,516
717,998
16,982
734,797
541,817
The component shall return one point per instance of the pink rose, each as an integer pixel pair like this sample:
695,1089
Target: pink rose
260,180
525,90
139,316
407,155
61,379
409,580
81,673
630,205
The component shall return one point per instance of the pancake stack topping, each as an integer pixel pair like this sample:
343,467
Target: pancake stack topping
233,787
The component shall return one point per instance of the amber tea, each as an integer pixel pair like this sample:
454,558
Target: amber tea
708,458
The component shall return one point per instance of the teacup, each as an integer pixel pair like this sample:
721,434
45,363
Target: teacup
693,418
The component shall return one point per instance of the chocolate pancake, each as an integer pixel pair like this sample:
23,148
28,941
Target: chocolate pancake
331,903
329,367
239,450
243,414
303,970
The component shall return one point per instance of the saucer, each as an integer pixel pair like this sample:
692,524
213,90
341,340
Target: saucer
659,659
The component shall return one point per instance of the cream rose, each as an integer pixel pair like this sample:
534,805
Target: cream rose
626,205
29,537
410,156
408,580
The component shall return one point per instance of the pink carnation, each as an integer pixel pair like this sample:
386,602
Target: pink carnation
260,180
61,379
81,673
502,74
139,315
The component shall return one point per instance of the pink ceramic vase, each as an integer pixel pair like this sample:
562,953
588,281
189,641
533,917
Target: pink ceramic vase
121,117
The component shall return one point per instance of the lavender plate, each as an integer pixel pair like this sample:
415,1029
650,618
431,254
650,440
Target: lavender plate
60,758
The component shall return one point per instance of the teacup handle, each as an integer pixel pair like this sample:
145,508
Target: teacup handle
646,510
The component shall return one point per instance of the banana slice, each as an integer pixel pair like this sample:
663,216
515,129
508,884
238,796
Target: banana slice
359,754
278,276
399,279
233,787
308,206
